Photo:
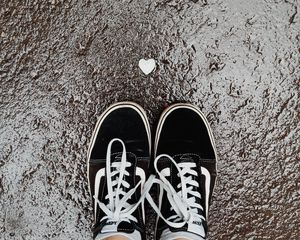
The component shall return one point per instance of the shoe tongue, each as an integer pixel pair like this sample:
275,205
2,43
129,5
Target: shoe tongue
194,230
196,226
113,226
110,226
188,235
124,228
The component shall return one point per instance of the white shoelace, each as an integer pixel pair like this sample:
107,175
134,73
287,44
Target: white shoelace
118,209
182,202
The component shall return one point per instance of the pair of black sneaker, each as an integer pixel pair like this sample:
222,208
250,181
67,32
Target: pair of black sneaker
119,163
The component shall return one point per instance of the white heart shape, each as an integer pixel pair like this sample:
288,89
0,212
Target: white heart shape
147,66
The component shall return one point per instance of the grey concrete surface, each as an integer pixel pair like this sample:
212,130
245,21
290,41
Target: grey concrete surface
63,62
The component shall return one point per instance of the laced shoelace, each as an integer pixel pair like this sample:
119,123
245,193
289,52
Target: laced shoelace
182,202
118,192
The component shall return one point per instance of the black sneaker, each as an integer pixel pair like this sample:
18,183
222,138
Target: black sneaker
186,158
118,161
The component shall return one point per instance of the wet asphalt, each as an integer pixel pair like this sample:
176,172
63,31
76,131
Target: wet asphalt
63,62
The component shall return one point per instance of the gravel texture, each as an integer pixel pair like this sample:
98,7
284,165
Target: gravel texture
63,62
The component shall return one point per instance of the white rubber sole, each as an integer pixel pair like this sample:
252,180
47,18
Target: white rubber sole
102,117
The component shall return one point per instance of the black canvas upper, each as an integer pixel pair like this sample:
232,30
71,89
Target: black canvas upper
184,136
126,124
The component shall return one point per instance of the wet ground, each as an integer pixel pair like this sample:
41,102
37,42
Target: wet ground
63,62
